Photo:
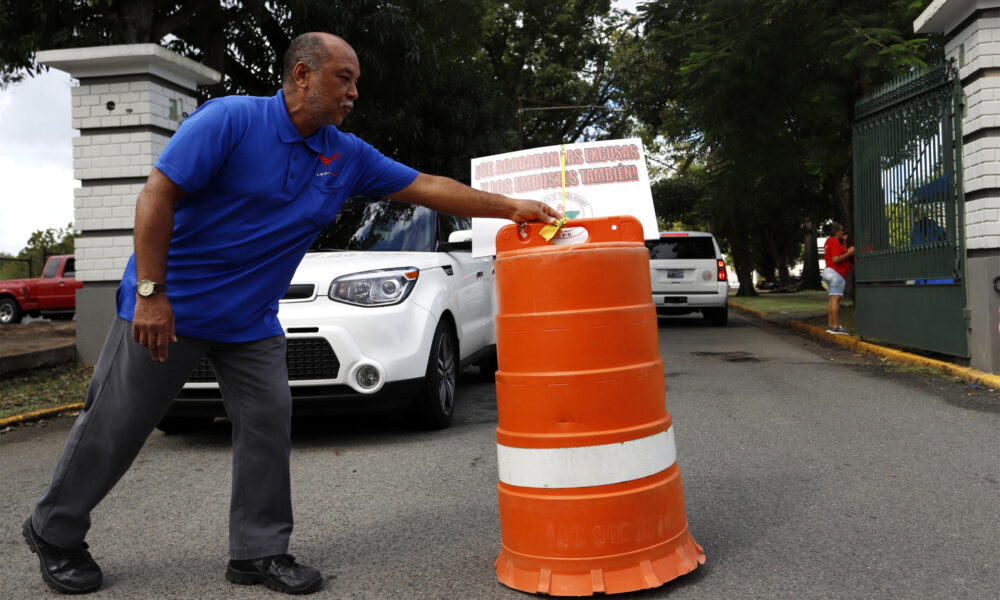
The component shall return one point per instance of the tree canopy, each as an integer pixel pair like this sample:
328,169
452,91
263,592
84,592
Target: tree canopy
761,93
755,98
441,79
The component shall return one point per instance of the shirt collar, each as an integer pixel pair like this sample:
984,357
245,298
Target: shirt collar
287,132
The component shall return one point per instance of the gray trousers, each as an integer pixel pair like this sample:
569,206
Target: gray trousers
128,395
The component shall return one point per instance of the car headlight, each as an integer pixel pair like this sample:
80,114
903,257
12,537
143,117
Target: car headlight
384,287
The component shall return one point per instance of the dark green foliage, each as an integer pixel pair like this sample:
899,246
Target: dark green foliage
761,93
27,26
755,97
440,78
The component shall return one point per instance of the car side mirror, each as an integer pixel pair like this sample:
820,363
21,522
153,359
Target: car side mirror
458,241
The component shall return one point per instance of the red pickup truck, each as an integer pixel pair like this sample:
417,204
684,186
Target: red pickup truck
52,295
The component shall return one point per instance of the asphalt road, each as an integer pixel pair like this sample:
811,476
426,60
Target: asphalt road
809,472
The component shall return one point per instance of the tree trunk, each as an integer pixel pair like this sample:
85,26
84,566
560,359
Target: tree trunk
783,276
842,199
743,264
745,274
780,264
811,279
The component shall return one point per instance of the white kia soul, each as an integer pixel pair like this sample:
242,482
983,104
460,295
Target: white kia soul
688,274
384,310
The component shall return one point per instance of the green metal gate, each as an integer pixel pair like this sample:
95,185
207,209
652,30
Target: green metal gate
909,213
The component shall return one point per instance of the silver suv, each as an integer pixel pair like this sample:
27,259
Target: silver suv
688,274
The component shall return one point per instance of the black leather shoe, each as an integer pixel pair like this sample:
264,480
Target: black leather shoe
65,570
279,572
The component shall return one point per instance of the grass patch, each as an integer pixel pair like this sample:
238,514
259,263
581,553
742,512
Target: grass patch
810,307
908,369
44,388
800,302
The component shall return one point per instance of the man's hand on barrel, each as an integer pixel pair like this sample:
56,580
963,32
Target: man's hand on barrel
533,210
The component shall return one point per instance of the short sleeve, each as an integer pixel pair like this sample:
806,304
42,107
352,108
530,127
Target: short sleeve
200,148
380,175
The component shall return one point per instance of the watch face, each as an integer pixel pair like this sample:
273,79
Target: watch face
145,288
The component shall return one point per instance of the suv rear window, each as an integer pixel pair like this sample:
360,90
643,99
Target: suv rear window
681,247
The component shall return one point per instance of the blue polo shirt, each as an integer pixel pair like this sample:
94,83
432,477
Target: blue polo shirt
258,194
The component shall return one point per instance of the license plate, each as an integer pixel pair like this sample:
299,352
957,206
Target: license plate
674,299
675,274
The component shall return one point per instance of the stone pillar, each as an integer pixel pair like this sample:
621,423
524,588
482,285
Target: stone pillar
972,30
130,100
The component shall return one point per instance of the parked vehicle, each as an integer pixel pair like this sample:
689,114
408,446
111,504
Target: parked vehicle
688,274
382,313
52,295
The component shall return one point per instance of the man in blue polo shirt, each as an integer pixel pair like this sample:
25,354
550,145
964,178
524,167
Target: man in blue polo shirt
226,215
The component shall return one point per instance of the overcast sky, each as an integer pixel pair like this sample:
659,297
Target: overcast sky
36,156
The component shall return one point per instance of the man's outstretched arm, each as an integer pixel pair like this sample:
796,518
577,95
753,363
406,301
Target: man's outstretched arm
153,324
451,197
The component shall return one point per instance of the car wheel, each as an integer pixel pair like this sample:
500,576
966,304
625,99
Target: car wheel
10,311
176,425
435,406
718,316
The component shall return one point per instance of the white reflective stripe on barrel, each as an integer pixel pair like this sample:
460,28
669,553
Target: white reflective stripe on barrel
587,465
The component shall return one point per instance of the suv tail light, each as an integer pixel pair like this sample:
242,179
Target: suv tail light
722,269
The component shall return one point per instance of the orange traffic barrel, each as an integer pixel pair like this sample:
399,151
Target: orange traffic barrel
590,493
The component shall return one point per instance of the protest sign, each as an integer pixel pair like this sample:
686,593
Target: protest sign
590,179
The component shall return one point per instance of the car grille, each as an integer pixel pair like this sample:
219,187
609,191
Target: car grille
307,358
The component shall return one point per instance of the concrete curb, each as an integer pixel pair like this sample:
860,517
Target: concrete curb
855,343
39,414
39,358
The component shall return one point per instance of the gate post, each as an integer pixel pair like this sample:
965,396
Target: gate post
973,35
130,100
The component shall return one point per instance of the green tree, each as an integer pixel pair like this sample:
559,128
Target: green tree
12,267
27,26
762,93
551,62
440,78
41,244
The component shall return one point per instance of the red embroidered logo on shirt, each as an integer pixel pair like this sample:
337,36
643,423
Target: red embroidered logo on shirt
326,160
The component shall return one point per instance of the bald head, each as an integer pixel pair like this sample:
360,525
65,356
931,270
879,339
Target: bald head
320,84
313,49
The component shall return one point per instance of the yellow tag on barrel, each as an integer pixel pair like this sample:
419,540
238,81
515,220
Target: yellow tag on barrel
549,231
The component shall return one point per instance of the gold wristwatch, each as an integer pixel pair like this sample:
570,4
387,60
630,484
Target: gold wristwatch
147,288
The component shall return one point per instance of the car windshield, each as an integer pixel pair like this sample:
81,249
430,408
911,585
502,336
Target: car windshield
681,247
379,225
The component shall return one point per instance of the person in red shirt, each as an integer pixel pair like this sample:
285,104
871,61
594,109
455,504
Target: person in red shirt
838,264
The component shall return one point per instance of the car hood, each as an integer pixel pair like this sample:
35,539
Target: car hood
323,267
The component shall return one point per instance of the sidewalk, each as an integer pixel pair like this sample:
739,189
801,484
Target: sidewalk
796,320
